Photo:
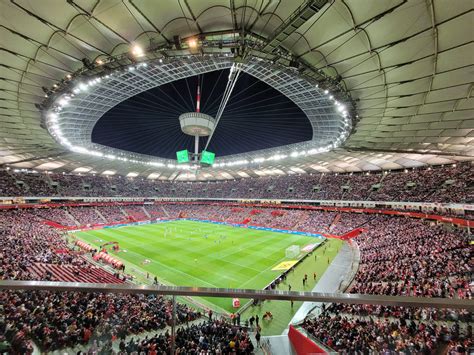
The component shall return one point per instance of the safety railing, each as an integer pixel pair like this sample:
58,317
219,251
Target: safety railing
39,300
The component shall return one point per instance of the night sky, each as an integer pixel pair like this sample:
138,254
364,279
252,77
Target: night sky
256,117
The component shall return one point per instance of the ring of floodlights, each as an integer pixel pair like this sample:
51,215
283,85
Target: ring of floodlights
72,113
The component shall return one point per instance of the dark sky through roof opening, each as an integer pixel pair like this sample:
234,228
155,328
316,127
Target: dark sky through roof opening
256,117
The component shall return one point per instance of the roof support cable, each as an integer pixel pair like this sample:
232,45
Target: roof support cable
233,76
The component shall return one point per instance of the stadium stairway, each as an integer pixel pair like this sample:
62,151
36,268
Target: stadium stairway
146,212
335,221
165,211
101,215
71,217
123,211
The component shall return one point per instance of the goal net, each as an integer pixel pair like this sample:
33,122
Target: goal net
292,251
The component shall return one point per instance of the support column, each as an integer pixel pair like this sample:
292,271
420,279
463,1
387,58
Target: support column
196,148
173,327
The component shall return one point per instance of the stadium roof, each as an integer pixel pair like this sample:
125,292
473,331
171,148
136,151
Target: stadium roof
407,66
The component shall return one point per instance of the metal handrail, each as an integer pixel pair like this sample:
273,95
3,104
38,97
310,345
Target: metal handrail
403,301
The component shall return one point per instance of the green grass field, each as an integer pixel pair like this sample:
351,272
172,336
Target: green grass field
228,257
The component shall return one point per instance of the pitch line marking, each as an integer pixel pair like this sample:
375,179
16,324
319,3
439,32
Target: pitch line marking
179,271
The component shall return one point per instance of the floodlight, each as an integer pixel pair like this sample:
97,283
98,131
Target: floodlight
192,43
137,51
63,102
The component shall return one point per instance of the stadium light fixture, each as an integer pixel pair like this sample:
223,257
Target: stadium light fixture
192,43
137,51
83,86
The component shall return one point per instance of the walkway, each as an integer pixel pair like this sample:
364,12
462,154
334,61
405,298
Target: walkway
339,270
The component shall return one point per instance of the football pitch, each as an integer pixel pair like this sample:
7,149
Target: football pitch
190,253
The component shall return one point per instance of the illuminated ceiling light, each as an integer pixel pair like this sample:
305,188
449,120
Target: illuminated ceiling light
99,61
137,51
69,76
192,43
55,86
326,92
63,102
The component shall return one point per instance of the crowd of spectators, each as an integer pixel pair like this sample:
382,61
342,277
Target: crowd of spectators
86,215
213,337
25,240
438,184
112,213
407,257
136,212
59,320
64,319
411,258
399,256
58,215
372,335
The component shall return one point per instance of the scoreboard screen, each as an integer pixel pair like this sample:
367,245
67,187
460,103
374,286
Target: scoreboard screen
207,157
182,156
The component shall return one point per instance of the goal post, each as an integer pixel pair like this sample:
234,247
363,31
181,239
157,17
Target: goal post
292,251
